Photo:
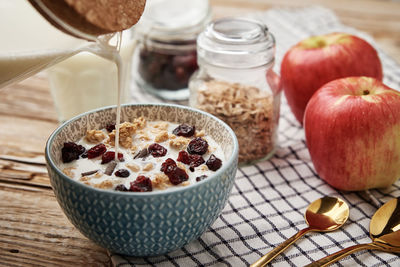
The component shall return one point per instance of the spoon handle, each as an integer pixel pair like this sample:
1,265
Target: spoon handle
341,254
279,249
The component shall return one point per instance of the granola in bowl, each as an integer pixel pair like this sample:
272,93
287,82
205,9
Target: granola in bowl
152,155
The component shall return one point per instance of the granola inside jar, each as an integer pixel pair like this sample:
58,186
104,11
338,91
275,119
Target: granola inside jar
236,83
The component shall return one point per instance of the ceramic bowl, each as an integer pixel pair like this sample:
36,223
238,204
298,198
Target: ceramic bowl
150,223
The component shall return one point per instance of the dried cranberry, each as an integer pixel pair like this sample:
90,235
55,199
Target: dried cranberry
96,151
121,187
110,128
184,130
183,157
71,151
122,173
197,146
214,163
157,150
195,161
201,177
109,156
168,165
141,184
175,174
192,160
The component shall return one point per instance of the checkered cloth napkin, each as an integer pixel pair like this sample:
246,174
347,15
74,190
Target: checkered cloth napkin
268,200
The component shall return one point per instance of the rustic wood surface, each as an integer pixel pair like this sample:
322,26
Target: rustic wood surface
33,229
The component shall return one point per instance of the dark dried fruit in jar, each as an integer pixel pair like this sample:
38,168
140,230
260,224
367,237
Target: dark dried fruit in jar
175,174
166,71
71,151
214,163
123,173
184,130
110,128
141,184
157,150
121,187
197,146
109,156
96,151
192,160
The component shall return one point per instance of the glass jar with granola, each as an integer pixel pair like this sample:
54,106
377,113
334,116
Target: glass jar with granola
236,83
166,53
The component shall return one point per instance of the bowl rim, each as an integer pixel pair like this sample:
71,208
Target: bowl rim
225,166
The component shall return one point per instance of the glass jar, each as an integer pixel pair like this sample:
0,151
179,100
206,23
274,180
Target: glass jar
236,83
166,53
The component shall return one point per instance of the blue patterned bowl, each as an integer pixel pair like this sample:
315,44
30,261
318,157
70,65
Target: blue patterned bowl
150,223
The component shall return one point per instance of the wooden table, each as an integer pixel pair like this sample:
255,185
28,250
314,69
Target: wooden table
33,229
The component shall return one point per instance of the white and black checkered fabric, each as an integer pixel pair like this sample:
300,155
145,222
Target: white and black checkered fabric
269,198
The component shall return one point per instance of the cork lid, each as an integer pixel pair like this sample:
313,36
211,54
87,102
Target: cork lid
85,19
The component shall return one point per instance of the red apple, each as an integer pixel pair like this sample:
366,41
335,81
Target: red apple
321,59
352,128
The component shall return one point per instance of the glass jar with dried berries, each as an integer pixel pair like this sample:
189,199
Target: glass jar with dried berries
236,83
166,53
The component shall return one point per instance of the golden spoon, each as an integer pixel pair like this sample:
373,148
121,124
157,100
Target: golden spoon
383,230
323,215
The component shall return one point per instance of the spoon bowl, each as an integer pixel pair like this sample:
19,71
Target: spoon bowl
385,224
327,214
323,215
384,231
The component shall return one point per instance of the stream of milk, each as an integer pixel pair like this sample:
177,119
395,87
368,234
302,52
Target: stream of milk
30,44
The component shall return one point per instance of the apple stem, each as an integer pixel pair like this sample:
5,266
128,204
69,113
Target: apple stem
366,92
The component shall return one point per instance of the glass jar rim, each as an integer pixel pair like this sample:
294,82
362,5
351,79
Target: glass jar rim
236,42
174,20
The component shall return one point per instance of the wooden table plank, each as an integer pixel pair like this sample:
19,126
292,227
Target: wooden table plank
24,136
34,231
29,99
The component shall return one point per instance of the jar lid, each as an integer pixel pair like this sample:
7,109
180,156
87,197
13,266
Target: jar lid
236,43
174,20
